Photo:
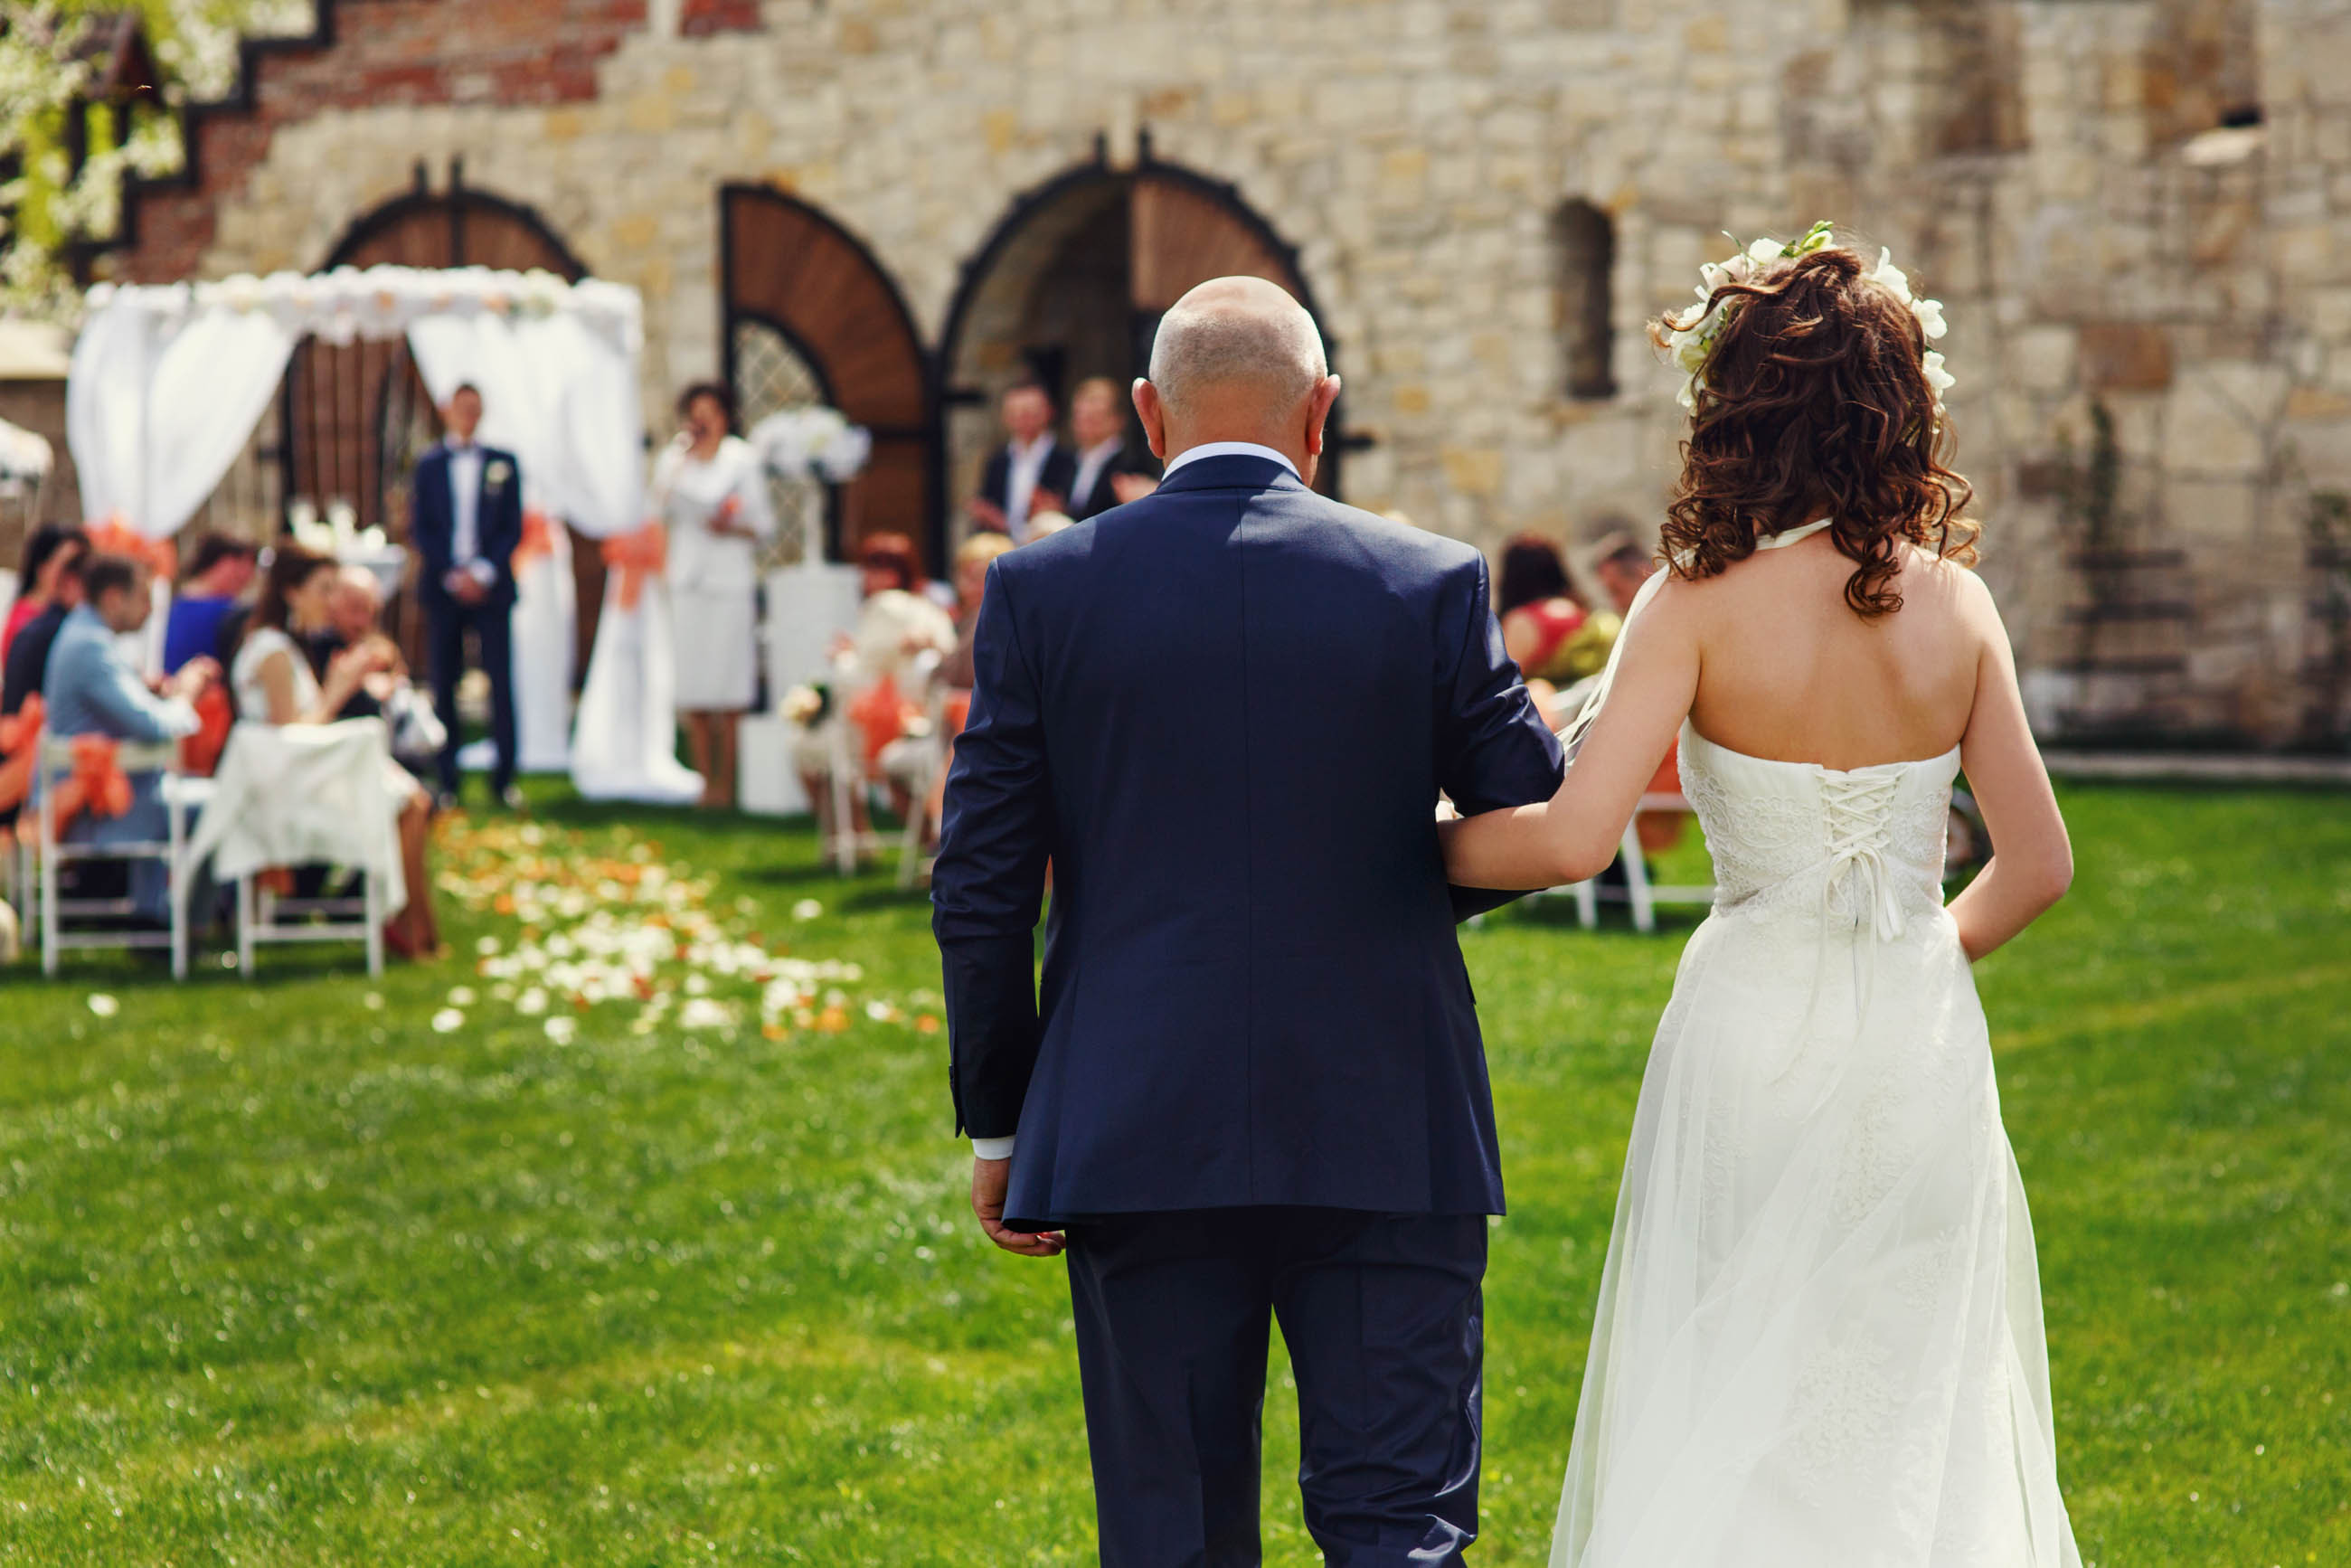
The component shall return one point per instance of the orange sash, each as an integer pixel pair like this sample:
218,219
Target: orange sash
20,746
537,539
97,785
201,752
638,557
881,715
114,537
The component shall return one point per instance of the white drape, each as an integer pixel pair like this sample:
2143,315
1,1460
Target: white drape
624,746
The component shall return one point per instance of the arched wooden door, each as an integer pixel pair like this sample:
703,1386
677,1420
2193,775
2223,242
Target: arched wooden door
791,272
353,418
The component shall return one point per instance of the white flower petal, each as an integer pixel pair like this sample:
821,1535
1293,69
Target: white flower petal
104,1006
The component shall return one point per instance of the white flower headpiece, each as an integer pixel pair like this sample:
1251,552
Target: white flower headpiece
1690,338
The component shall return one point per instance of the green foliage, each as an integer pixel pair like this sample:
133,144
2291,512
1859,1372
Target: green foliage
49,203
288,1278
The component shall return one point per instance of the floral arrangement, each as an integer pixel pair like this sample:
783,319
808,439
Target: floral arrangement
806,706
814,441
1691,337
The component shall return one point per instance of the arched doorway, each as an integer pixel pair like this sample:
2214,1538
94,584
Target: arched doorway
353,418
811,316
1071,284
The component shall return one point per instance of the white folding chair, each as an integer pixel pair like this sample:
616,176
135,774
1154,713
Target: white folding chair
251,828
181,795
1638,891
912,865
847,783
264,917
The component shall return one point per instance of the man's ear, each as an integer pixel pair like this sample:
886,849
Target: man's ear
1318,413
1154,414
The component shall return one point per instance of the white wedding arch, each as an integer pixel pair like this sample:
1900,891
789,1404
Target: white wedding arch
168,383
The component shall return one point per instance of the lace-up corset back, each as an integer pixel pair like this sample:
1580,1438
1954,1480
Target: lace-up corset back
1859,848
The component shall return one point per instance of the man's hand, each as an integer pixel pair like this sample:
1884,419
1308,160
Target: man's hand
989,1178
465,587
1132,487
987,515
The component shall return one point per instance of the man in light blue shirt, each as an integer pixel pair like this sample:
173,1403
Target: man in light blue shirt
94,687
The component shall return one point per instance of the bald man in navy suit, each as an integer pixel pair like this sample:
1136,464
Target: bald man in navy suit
1252,1086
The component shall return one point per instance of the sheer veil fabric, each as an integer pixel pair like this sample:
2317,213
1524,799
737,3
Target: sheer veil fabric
1819,1337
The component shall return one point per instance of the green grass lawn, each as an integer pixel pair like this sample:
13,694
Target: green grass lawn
292,1276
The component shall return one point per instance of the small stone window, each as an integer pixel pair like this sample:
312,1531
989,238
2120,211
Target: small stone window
1585,240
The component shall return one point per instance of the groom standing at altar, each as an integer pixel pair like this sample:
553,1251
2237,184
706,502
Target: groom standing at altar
1254,1089
465,522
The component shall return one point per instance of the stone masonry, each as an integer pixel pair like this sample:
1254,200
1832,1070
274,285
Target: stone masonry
2138,209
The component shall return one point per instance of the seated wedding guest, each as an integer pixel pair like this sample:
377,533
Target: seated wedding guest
275,685
50,552
1110,469
1621,564
971,582
1045,525
1544,628
873,678
93,686
1030,472
26,666
709,490
22,674
219,571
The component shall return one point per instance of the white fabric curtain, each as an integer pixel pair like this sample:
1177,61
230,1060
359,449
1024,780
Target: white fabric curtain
624,746
159,405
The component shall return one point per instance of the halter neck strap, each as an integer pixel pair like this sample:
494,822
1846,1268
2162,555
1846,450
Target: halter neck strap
1795,536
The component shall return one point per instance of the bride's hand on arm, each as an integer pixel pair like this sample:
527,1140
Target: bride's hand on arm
1572,836
2032,864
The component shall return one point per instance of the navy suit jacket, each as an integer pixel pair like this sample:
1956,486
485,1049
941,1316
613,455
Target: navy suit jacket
1223,714
432,522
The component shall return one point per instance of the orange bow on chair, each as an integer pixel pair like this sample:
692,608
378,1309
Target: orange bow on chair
20,745
115,536
97,785
201,752
638,557
537,539
881,715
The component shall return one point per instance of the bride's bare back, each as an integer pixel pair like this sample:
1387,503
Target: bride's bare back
1788,672
1767,658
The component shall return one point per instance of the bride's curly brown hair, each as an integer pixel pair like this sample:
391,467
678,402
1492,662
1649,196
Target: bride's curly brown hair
1816,398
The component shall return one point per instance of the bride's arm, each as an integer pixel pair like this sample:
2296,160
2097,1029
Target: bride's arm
1572,836
2033,861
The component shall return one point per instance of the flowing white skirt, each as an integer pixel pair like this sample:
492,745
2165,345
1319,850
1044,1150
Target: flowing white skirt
1819,1339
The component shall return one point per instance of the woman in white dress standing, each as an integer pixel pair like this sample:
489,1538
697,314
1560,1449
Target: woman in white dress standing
1819,1337
711,495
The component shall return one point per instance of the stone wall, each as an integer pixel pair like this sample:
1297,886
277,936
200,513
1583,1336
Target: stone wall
2057,171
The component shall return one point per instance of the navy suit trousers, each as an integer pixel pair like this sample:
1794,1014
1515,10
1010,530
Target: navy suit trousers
1384,1318
492,624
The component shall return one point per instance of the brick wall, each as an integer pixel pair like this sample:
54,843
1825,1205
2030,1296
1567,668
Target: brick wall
385,53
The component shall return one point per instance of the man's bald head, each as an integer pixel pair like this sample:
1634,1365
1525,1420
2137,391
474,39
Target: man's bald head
1241,342
1238,360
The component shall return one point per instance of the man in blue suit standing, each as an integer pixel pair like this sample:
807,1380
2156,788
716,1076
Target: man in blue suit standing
465,522
1253,1086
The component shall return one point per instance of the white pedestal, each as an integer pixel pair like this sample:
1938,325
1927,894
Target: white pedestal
767,785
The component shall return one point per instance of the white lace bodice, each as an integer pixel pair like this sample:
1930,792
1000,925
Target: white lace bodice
1859,847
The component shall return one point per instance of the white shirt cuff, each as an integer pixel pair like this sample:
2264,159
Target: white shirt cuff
482,572
991,1148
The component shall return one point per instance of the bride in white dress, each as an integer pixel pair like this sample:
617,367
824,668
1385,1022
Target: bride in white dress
1819,1336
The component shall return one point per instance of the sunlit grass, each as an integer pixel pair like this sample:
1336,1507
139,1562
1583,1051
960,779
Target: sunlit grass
291,1280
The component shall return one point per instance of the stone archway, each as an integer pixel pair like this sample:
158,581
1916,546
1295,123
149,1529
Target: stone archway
1071,284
